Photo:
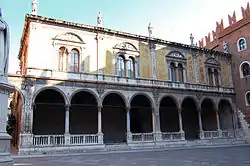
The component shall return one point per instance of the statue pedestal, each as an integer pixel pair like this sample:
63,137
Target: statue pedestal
5,89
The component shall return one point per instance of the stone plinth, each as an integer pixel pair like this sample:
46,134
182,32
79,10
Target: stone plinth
5,158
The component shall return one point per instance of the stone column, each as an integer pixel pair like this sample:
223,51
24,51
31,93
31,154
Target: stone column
153,56
156,123
218,123
129,134
200,125
66,133
180,125
100,134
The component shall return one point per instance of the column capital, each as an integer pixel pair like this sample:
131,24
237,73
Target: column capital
67,107
128,108
99,107
179,110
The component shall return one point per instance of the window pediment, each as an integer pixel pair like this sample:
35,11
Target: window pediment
176,54
126,46
71,37
212,61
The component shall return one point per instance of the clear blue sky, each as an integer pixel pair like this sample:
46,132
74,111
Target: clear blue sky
172,20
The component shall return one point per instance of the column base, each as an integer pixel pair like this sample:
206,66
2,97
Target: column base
220,133
5,157
182,135
129,137
67,139
100,138
26,140
201,134
158,136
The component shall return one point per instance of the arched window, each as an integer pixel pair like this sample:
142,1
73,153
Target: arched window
210,77
245,68
63,53
173,71
131,67
242,44
74,61
247,98
121,66
180,73
216,76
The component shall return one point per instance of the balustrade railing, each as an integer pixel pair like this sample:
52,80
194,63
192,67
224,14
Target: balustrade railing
45,140
211,134
143,137
171,136
83,139
124,80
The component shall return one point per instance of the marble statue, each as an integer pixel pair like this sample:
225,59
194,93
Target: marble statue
150,30
99,19
191,40
4,46
225,47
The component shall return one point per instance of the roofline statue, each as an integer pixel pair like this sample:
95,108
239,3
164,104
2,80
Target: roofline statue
4,46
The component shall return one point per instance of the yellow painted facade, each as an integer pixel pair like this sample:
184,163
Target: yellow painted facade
161,65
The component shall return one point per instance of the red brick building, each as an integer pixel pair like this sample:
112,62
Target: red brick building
234,39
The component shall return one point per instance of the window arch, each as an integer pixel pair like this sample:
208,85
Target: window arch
74,60
242,44
172,71
247,98
121,66
131,67
213,71
63,55
244,69
180,73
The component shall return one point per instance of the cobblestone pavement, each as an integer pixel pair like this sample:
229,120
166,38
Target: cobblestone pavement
233,156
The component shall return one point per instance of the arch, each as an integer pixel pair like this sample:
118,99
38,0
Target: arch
247,98
169,115
242,75
194,99
66,101
70,37
143,94
226,114
190,117
242,44
208,114
86,90
141,118
211,100
114,118
116,92
172,97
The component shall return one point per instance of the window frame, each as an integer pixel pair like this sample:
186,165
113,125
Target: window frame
239,45
240,69
246,101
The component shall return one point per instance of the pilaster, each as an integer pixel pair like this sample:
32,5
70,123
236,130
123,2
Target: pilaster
152,47
100,52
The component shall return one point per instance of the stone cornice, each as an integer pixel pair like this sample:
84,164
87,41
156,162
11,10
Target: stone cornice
95,29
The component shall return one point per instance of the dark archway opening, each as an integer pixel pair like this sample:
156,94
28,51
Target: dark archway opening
190,119
226,115
49,113
141,115
114,123
83,114
208,115
169,117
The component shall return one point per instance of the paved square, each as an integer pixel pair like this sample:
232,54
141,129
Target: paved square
233,156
